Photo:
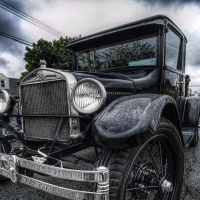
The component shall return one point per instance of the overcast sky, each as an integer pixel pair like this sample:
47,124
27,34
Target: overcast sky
75,17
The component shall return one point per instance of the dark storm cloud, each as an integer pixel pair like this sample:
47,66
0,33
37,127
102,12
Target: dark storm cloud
10,24
12,52
16,4
27,6
170,2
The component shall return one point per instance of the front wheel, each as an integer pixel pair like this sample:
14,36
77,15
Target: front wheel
153,170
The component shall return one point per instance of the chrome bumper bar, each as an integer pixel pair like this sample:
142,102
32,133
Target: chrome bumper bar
101,177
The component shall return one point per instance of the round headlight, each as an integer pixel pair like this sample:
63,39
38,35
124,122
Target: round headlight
4,101
88,96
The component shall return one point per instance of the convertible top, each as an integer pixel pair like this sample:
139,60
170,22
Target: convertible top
123,32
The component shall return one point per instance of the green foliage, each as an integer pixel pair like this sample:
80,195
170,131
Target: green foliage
43,50
23,74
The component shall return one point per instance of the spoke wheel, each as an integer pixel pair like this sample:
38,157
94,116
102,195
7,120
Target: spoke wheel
152,174
152,171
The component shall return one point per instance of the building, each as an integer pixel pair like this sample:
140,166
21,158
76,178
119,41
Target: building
10,84
14,87
4,82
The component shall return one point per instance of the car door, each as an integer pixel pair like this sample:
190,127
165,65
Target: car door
174,59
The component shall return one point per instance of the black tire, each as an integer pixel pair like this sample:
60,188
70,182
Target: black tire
131,168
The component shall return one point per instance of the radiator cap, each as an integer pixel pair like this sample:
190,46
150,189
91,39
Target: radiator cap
42,64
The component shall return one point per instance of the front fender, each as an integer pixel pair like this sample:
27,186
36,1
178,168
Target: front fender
130,121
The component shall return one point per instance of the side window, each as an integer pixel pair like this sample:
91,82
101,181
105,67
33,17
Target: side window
172,49
2,83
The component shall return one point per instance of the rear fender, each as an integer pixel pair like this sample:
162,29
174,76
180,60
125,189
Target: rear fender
191,111
130,121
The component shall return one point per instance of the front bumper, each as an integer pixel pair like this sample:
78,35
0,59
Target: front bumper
101,177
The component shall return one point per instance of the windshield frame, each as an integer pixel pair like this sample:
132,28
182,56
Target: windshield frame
148,35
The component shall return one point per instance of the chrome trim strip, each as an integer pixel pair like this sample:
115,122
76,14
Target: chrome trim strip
70,174
47,81
14,170
101,176
56,190
60,191
5,173
5,157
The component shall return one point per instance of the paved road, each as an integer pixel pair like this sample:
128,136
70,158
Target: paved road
191,186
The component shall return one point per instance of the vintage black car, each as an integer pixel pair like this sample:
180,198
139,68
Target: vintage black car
126,97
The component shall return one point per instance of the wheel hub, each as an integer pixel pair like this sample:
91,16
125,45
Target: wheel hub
144,177
166,186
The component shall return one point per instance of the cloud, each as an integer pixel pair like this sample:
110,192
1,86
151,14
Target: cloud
88,16
16,4
10,25
3,61
170,3
11,52
193,48
10,66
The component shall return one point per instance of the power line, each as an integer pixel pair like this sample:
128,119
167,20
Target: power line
29,19
16,39
30,44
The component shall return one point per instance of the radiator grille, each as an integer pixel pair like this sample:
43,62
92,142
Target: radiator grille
45,98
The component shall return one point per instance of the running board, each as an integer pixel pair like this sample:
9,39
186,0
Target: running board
100,176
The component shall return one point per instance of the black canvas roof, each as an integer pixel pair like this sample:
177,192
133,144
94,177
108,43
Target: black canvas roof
122,32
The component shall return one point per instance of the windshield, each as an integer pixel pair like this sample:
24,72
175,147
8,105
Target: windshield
140,52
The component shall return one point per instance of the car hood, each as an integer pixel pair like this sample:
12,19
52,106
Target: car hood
135,81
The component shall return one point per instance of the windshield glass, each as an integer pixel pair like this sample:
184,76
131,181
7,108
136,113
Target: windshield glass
140,52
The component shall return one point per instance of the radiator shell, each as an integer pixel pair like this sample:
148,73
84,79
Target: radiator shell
47,92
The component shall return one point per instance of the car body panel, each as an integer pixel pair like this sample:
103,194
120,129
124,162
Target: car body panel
130,121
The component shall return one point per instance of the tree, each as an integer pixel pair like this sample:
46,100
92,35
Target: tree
55,53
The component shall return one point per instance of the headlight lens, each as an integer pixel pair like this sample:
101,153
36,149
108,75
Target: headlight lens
4,101
88,96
